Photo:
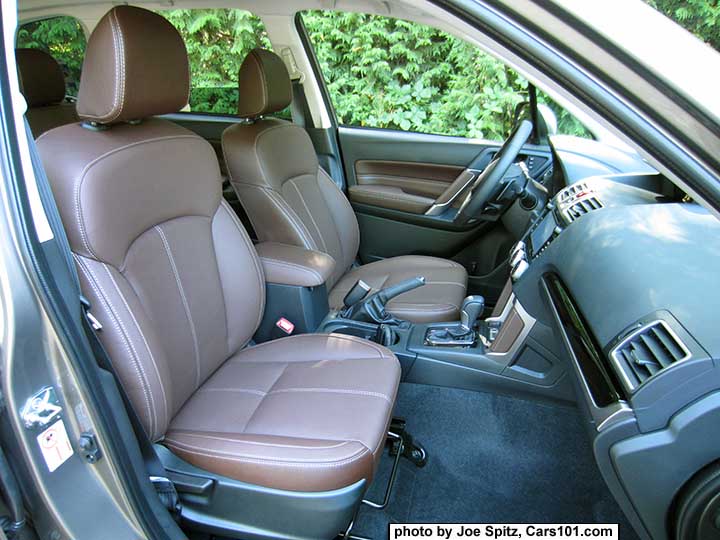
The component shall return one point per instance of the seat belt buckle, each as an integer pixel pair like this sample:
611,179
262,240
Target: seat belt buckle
167,494
285,325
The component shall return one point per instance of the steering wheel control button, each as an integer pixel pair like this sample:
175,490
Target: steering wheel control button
519,270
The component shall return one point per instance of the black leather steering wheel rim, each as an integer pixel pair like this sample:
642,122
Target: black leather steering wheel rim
486,184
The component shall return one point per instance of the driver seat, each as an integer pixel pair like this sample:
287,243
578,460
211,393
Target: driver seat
290,199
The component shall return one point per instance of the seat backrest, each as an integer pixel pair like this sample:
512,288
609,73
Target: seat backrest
43,85
273,168
170,272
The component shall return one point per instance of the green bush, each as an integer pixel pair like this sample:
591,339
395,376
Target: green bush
217,42
381,72
61,37
701,17
390,73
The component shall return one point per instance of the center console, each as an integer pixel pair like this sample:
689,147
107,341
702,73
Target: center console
464,353
506,351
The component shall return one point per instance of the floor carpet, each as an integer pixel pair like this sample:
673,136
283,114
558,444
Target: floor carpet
492,459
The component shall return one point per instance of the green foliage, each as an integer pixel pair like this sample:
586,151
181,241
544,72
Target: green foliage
701,17
63,38
390,73
381,72
217,42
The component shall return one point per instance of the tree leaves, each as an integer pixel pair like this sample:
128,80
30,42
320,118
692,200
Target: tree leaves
380,72
389,73
63,38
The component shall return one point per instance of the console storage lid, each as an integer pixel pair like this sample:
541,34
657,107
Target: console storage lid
292,265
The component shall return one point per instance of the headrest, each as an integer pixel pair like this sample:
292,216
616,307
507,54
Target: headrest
135,66
41,78
264,84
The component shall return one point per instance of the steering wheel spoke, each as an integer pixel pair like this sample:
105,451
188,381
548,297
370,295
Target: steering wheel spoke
487,187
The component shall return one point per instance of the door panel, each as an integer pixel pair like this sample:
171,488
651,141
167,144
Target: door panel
394,177
423,179
401,185
437,153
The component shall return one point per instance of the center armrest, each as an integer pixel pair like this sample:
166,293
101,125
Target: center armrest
292,265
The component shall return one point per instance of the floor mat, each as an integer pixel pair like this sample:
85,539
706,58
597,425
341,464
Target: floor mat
492,459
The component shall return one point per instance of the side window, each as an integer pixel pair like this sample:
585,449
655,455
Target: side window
63,38
389,73
217,41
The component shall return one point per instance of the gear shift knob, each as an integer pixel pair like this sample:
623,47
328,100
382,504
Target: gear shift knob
472,308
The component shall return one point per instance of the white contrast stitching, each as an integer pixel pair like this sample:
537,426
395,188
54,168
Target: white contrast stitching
122,331
307,209
309,464
332,391
147,345
288,264
253,255
185,303
79,182
258,443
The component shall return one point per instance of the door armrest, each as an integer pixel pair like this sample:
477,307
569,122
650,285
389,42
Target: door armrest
390,197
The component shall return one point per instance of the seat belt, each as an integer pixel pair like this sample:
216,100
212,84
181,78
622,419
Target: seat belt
299,108
153,466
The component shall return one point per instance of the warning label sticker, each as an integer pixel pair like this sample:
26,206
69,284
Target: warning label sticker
55,445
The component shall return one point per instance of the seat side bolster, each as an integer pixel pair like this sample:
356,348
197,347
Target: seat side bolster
345,221
126,334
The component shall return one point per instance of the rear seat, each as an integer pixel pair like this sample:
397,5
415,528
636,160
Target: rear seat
43,84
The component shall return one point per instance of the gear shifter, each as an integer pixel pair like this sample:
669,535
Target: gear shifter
459,335
472,308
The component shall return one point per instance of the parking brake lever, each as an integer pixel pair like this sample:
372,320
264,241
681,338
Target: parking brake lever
371,308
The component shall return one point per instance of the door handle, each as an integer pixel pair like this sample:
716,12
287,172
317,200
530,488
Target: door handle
454,190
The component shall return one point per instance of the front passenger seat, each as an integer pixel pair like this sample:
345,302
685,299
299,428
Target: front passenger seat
290,199
294,426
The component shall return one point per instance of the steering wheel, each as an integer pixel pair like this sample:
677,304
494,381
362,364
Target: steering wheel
488,182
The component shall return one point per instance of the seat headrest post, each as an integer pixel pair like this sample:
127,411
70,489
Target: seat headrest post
136,66
264,85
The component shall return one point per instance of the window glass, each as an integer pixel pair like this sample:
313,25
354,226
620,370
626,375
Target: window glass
217,41
63,38
389,73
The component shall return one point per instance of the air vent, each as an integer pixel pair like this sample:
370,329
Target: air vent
574,190
582,207
647,351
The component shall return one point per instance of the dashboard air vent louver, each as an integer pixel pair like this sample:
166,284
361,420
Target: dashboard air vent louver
573,190
648,350
583,206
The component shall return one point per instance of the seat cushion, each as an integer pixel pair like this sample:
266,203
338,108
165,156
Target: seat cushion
303,413
438,300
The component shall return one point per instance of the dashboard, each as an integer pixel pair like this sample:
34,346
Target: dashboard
628,283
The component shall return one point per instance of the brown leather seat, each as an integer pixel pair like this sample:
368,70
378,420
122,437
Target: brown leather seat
177,285
290,199
43,85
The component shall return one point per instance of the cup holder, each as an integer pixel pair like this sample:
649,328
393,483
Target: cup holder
347,327
358,332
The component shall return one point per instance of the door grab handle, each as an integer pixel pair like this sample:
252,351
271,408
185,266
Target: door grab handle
451,194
